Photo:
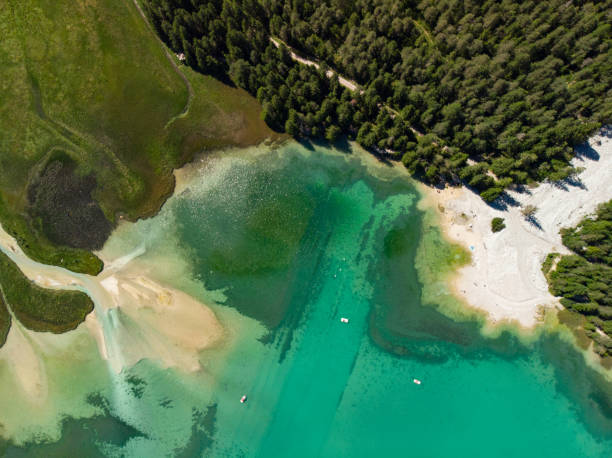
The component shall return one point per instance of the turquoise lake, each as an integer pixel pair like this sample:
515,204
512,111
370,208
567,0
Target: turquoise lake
282,243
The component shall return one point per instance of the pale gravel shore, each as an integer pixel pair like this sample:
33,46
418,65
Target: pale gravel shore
504,278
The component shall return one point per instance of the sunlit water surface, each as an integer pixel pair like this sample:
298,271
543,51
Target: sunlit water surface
282,243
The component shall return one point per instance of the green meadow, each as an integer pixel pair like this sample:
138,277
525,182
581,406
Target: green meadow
95,115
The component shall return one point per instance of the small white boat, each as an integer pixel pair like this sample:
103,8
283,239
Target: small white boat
243,398
344,320
417,381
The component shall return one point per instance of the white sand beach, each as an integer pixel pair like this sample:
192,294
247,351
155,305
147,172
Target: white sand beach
504,278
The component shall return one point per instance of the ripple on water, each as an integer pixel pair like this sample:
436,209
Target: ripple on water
284,243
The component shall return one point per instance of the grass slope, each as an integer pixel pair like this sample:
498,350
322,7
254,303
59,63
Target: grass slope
88,83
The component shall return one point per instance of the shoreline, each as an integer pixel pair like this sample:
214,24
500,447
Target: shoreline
135,317
141,314
503,282
504,279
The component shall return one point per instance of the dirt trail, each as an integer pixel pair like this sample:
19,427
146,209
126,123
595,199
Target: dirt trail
347,83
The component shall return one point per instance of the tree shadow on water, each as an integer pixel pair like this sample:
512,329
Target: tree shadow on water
306,143
342,144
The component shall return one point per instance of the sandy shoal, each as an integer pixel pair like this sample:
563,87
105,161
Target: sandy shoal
139,318
504,277
135,317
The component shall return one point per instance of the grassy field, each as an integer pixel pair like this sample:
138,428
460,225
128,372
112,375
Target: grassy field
87,83
38,308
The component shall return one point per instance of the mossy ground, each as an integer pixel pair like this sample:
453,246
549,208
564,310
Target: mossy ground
89,79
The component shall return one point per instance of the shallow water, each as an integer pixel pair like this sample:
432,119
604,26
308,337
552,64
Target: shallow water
284,243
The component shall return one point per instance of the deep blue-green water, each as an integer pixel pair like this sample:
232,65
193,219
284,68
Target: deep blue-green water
283,243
